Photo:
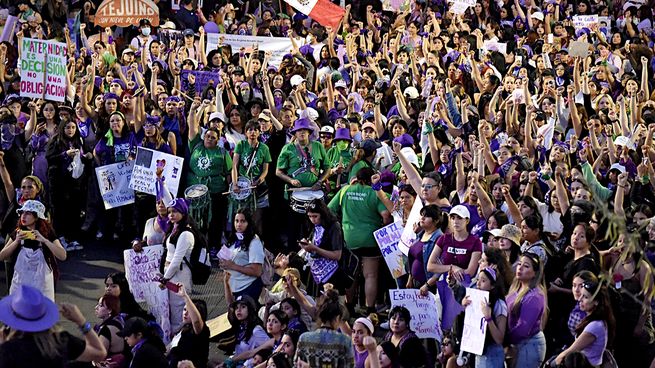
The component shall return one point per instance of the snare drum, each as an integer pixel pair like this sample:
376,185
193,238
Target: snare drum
199,204
245,188
300,199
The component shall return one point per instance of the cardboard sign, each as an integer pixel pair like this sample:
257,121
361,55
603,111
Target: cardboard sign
144,176
425,311
408,236
126,13
579,48
140,270
278,46
114,184
475,327
218,325
43,69
584,21
388,238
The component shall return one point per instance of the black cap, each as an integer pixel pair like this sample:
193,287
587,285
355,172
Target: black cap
239,70
133,325
144,22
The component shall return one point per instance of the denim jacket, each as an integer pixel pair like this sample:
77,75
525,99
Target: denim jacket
428,247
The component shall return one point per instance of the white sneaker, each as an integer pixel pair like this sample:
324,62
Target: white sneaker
74,245
63,242
99,235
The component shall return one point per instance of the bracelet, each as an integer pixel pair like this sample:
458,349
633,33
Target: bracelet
85,328
377,186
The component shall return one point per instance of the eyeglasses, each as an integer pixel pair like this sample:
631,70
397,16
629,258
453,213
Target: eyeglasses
326,136
428,186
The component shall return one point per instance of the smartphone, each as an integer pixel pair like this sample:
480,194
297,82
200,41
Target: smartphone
519,58
550,38
172,287
29,235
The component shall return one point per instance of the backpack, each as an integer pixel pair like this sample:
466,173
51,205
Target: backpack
200,263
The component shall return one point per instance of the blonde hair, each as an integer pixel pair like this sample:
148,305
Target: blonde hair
537,282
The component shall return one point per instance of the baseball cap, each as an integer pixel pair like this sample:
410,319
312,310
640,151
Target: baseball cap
460,211
327,129
296,80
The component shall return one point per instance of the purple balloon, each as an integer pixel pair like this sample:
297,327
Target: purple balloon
211,27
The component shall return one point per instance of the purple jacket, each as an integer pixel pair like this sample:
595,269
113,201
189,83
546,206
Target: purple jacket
527,322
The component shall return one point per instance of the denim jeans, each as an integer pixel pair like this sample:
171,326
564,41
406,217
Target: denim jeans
531,352
494,357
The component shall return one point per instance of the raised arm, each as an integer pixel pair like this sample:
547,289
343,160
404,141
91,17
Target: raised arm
412,173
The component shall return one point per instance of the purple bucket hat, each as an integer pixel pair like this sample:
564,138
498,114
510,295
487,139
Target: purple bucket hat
343,134
302,124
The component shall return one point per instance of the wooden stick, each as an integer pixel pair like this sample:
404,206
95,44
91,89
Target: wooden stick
298,189
183,94
229,191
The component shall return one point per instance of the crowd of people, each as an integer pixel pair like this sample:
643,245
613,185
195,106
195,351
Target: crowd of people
521,129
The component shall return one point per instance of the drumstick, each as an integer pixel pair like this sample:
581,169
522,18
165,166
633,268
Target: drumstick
229,191
297,189
183,94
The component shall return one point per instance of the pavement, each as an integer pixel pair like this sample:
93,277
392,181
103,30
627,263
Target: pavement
82,277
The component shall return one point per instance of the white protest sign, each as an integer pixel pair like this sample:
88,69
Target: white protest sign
495,46
408,236
278,46
140,270
475,327
32,68
56,71
579,48
425,311
114,184
144,175
584,21
388,238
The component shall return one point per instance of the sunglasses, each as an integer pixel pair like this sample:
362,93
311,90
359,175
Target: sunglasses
325,136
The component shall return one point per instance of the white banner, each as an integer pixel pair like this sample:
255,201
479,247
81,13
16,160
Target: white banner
425,311
114,184
144,175
584,21
388,238
408,236
278,46
43,69
141,269
475,327
55,84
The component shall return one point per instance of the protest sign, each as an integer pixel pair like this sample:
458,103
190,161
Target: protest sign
395,5
278,46
203,79
425,311
584,21
388,238
141,269
43,69
489,45
114,184
579,48
144,175
126,13
408,236
475,327
218,325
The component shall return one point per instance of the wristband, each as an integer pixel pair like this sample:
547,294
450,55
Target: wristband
85,328
110,40
377,186
645,178
488,319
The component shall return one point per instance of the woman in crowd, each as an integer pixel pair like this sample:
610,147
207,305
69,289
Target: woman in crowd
526,303
147,347
244,269
410,350
34,250
362,328
116,285
192,342
179,242
431,224
31,187
108,311
250,334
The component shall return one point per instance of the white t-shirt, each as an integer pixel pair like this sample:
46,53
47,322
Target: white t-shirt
254,255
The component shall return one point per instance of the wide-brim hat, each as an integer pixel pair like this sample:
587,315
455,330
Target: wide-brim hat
28,310
302,124
343,134
511,233
34,206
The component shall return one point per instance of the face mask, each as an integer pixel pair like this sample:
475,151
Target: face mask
342,145
145,31
278,101
358,137
284,29
242,32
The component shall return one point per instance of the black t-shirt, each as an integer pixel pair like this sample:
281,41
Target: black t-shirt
191,347
23,352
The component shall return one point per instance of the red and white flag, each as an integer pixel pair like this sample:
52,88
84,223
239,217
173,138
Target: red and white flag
323,11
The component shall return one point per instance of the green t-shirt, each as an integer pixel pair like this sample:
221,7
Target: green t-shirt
356,167
334,155
245,151
360,210
210,167
303,165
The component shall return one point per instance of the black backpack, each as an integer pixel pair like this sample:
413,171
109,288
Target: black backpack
199,264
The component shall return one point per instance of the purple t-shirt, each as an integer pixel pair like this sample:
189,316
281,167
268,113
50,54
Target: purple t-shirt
527,322
360,358
594,352
415,258
458,253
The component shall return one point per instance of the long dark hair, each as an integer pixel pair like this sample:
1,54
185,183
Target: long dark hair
602,311
327,216
185,224
128,304
249,324
63,140
504,272
250,232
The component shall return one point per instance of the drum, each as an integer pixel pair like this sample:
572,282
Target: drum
199,205
245,189
300,199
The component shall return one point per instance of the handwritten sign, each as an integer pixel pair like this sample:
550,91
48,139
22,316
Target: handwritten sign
388,238
584,21
579,48
141,269
475,327
408,236
114,184
278,46
126,13
144,176
425,311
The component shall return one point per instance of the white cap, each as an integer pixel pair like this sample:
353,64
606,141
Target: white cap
623,141
327,129
494,232
460,211
296,80
411,92
538,15
617,166
341,83
217,115
168,25
308,113
263,116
